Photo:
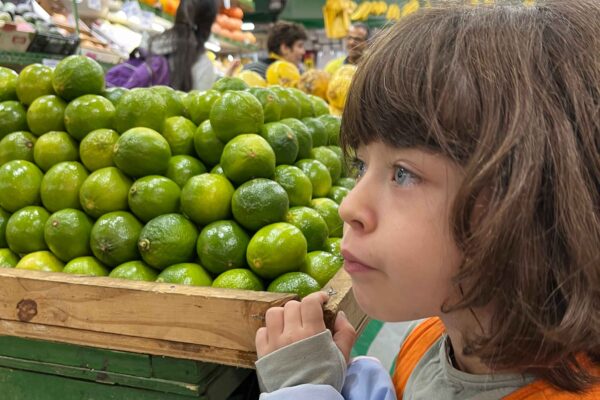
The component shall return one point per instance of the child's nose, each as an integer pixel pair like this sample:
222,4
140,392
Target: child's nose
357,209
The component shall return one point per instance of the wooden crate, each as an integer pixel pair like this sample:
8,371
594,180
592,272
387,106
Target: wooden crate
196,323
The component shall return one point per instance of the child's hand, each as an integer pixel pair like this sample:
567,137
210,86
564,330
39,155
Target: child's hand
296,321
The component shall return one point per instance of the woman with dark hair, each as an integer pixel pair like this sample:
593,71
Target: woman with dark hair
183,45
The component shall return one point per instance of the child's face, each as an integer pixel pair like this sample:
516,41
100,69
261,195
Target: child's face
397,243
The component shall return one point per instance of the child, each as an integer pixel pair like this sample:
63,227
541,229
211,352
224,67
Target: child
476,132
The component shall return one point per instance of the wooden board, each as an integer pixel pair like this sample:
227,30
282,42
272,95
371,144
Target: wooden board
198,323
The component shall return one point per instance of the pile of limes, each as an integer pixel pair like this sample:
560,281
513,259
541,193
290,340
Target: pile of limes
234,187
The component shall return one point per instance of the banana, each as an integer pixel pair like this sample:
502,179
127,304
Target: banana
410,7
393,12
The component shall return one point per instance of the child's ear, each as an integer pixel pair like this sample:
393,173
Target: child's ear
283,49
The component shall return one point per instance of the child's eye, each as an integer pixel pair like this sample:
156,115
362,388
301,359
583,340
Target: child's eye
359,168
404,177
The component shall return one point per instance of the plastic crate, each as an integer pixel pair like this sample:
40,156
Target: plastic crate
53,43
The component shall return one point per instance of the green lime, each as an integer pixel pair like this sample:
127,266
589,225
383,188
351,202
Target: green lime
104,191
35,80
179,132
174,104
142,152
337,193
4,216
114,238
54,147
8,84
306,105
282,140
270,102
318,174
222,246
96,149
88,113
185,274
290,106
246,157
13,117
67,234
322,266
332,245
167,240
206,198
19,185
41,261
239,278
140,107
329,211
276,249
298,283
199,104
77,75
208,146
235,113
8,259
296,184
17,146
45,114
89,266
320,106
152,196
330,159
313,226
134,271
305,143
259,202
25,230
229,83
61,184
317,131
217,169
114,94
332,127
182,168
347,183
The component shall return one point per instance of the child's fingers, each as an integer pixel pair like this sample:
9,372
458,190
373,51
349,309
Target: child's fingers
312,310
344,334
274,321
292,318
262,341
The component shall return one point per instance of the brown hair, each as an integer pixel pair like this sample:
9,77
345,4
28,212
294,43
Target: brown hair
512,94
286,33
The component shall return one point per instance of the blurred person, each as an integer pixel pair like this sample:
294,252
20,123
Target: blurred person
356,43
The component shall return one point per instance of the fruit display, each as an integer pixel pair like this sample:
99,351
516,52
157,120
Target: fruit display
234,187
228,24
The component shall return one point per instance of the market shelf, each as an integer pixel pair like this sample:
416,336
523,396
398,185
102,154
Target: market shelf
232,46
25,58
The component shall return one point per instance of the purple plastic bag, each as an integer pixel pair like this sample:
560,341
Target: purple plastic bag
140,71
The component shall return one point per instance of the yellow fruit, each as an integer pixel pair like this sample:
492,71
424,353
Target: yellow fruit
152,196
41,261
134,271
67,234
19,185
141,152
339,86
185,274
259,202
276,249
206,198
246,157
239,278
315,82
25,230
283,73
104,191
77,75
167,240
222,246
96,149
298,283
322,266
61,184
89,266
114,236
252,79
